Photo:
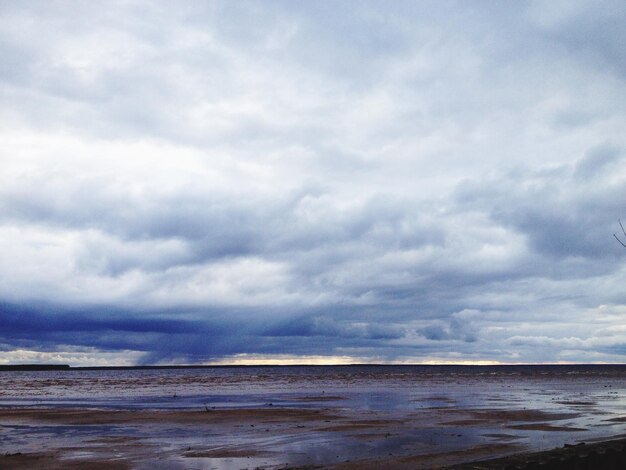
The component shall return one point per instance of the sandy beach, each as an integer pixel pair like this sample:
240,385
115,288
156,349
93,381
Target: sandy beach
334,418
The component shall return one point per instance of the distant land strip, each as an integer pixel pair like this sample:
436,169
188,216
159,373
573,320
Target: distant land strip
34,367
450,367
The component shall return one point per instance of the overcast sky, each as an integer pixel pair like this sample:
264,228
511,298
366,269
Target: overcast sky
323,181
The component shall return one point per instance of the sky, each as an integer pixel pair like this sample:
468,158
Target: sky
312,182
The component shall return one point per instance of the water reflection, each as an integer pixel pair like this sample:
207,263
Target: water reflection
373,412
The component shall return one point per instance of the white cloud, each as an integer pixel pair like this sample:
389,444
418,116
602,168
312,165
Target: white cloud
88,357
279,164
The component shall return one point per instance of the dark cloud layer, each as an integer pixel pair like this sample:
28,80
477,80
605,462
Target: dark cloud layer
421,182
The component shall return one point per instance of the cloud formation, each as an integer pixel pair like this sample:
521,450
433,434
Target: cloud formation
415,182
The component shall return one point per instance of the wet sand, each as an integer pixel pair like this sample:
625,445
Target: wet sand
146,442
607,455
396,421
130,451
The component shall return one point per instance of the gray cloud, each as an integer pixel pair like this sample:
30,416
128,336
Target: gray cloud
433,181
597,161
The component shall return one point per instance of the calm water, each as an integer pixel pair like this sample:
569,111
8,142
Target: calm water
369,387
591,396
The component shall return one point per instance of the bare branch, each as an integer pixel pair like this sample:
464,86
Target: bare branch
623,231
621,242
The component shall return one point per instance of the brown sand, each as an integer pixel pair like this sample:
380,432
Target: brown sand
544,427
517,415
619,419
221,416
122,452
432,460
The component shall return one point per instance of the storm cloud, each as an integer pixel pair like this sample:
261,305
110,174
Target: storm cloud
221,182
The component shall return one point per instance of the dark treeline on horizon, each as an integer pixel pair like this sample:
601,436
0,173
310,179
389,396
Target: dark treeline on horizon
35,367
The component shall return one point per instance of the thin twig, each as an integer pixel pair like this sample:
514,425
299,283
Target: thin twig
621,242
623,231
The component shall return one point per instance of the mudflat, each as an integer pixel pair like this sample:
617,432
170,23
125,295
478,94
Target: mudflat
301,418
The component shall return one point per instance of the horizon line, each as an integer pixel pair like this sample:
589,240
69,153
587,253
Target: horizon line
57,366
